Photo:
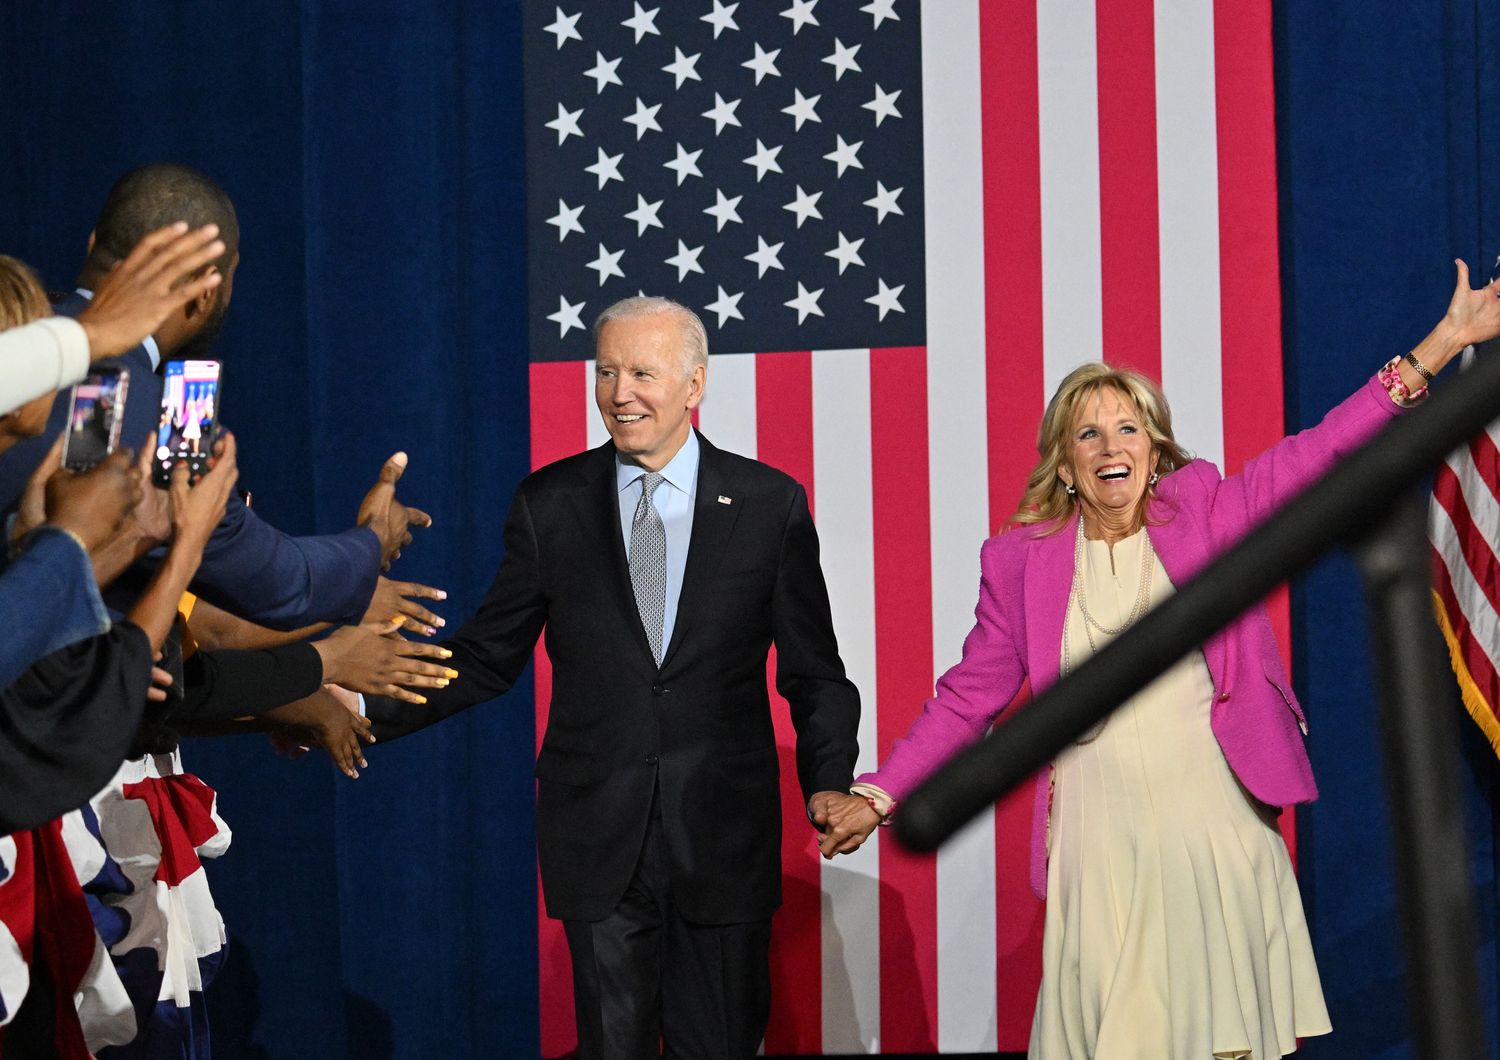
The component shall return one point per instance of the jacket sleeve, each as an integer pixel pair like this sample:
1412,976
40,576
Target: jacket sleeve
1291,465
978,687
221,685
48,600
40,357
809,673
253,570
491,649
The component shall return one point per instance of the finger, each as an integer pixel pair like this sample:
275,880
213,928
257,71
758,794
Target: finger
412,649
419,518
1463,274
390,625
408,680
52,461
411,589
156,695
186,254
160,677
397,692
414,624
148,245
392,470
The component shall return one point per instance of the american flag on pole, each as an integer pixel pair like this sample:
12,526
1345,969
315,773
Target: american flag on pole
902,224
1464,529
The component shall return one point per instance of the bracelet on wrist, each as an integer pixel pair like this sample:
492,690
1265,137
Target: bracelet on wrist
1418,367
1389,377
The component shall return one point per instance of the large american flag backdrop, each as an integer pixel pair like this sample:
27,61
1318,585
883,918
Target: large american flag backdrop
902,224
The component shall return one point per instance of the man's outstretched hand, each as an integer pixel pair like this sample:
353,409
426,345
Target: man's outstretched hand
389,518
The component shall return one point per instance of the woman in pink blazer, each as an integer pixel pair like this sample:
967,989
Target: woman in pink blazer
1174,926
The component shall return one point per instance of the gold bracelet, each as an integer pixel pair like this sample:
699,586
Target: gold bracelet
1421,369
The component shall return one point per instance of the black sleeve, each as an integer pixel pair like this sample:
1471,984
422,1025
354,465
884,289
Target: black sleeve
67,724
220,685
491,649
809,673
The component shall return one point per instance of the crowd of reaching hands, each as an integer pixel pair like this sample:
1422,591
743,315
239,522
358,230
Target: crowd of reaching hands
144,603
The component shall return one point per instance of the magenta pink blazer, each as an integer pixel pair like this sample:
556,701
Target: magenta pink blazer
1025,578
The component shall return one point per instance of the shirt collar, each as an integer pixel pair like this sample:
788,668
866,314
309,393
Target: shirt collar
148,343
681,471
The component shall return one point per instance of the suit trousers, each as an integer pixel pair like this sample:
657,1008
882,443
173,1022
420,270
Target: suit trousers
648,983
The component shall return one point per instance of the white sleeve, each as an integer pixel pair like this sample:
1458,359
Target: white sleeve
40,357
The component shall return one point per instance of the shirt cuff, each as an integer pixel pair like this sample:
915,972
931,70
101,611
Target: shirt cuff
882,798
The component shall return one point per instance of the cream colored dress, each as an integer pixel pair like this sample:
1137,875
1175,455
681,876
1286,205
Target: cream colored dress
1174,927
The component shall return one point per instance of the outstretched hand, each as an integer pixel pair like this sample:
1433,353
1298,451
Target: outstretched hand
139,293
364,659
1474,316
398,600
323,719
389,518
845,820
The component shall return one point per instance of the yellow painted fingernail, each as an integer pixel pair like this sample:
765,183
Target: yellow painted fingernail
442,682
421,699
447,654
449,673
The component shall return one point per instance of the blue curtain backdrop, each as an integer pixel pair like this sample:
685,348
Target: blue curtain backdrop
374,152
1389,168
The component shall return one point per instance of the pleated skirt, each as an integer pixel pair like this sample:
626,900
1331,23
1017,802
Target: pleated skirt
1174,926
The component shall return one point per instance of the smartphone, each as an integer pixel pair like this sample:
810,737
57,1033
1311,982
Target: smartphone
189,418
95,412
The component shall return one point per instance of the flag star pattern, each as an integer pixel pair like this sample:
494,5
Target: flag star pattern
734,127
923,214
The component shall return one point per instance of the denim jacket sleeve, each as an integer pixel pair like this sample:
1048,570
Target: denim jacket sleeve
48,600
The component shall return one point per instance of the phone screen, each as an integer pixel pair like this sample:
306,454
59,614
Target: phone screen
189,414
94,418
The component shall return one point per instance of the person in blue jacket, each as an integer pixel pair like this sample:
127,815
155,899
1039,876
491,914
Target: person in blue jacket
249,567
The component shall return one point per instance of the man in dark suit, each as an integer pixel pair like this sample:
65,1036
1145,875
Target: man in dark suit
249,567
663,569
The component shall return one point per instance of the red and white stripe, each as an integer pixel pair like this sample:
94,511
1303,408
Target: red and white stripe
1464,528
1100,180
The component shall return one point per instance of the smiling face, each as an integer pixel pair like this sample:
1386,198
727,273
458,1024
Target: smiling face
642,391
1109,459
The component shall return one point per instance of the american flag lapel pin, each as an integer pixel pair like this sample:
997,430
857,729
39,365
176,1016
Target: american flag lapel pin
725,500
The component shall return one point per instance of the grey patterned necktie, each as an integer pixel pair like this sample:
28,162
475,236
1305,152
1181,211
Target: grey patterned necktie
648,563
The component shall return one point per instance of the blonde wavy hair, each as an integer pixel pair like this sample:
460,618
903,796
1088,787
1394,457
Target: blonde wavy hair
22,298
1046,499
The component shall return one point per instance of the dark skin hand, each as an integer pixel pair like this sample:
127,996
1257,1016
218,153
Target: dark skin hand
389,518
323,720
365,659
93,503
139,293
395,599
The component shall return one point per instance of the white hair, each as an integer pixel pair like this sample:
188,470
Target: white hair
694,335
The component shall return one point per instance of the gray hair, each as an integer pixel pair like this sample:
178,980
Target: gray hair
694,335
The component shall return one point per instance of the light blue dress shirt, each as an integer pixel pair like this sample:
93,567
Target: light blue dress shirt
673,501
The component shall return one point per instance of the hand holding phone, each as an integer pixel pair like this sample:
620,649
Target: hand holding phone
189,419
95,413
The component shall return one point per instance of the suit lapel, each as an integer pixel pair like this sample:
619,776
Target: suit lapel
1049,578
601,507
713,523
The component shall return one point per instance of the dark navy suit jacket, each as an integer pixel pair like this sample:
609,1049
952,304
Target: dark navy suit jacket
249,567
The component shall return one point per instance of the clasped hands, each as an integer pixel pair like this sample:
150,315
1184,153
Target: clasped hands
845,820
